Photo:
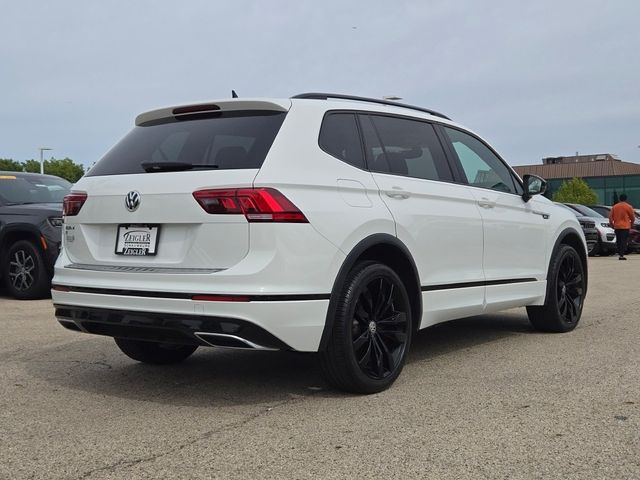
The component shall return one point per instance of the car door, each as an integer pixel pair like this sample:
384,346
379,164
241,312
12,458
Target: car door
435,218
515,251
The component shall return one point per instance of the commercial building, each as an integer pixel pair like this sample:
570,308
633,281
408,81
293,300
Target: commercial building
606,174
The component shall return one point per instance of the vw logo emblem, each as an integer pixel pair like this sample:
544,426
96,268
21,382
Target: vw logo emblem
132,201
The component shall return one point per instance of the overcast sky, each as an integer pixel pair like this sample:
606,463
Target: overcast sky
536,79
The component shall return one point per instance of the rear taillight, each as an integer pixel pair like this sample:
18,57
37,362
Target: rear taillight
256,204
72,203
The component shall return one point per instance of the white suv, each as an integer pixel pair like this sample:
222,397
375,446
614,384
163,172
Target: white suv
321,223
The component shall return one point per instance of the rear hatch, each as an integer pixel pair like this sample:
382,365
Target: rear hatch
140,211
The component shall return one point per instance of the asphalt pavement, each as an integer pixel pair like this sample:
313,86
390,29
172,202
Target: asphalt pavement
483,397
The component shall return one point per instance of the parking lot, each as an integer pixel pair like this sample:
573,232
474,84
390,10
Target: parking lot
484,397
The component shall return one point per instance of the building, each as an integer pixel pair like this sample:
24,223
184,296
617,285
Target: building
606,174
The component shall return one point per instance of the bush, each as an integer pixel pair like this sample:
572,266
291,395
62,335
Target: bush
575,190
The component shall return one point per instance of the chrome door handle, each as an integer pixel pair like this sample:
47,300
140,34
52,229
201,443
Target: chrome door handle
486,203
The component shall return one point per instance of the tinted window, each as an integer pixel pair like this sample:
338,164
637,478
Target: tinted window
229,140
32,189
339,137
481,166
404,147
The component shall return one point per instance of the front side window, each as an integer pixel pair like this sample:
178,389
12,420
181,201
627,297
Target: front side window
481,166
404,147
339,137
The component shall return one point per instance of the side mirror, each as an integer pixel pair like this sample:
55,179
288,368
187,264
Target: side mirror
533,185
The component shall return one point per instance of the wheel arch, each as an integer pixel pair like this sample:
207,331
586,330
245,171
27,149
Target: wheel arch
390,251
16,232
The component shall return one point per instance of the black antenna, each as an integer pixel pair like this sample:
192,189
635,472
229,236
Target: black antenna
234,94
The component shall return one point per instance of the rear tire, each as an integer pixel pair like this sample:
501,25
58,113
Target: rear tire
371,331
154,352
24,273
566,290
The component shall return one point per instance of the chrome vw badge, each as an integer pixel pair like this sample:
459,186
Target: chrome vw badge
132,201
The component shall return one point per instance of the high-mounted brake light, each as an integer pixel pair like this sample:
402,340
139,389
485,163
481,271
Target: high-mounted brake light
257,204
195,109
72,204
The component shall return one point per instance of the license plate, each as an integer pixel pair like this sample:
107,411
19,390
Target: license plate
137,240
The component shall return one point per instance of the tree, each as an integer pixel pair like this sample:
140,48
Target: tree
575,190
65,168
9,165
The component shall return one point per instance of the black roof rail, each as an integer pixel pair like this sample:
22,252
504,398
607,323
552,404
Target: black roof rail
326,96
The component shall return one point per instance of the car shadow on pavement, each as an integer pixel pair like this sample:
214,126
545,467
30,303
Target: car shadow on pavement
219,377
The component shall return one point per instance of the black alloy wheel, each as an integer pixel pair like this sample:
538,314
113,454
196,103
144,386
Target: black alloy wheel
371,331
25,274
570,288
566,290
379,328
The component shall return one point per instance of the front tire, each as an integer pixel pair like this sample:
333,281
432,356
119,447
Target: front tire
371,331
154,352
24,273
565,294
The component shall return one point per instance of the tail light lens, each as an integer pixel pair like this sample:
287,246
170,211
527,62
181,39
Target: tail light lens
72,204
256,204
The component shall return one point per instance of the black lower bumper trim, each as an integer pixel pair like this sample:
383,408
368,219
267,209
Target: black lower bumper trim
162,327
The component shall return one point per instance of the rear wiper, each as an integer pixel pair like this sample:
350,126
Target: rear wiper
151,167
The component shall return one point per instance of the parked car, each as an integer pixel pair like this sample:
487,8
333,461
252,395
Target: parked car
605,209
30,231
607,235
588,228
633,244
321,223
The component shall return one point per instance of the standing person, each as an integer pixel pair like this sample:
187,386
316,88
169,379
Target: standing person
621,218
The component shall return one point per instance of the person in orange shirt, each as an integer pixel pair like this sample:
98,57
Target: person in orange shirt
621,218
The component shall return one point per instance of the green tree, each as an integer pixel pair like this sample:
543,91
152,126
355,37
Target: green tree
9,165
575,190
65,168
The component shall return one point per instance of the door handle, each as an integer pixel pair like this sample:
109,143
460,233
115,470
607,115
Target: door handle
400,195
486,203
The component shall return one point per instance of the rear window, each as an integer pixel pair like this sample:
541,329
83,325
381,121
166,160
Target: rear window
17,190
221,140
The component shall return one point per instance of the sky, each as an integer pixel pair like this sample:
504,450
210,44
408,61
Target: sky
535,79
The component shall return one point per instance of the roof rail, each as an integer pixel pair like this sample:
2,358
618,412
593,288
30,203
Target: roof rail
326,96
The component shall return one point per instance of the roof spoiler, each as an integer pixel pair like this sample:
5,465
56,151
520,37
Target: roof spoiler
214,106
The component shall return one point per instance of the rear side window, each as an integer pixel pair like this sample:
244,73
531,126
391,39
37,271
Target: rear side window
221,140
404,147
339,137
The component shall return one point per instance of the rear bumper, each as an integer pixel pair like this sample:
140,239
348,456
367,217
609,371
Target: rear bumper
272,324
168,327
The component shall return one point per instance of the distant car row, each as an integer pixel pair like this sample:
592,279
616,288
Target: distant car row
600,235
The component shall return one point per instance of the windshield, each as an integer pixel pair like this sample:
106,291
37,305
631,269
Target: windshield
221,141
586,211
17,190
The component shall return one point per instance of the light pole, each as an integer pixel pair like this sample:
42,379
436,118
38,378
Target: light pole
42,149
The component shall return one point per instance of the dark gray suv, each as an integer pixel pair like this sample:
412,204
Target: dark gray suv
30,231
